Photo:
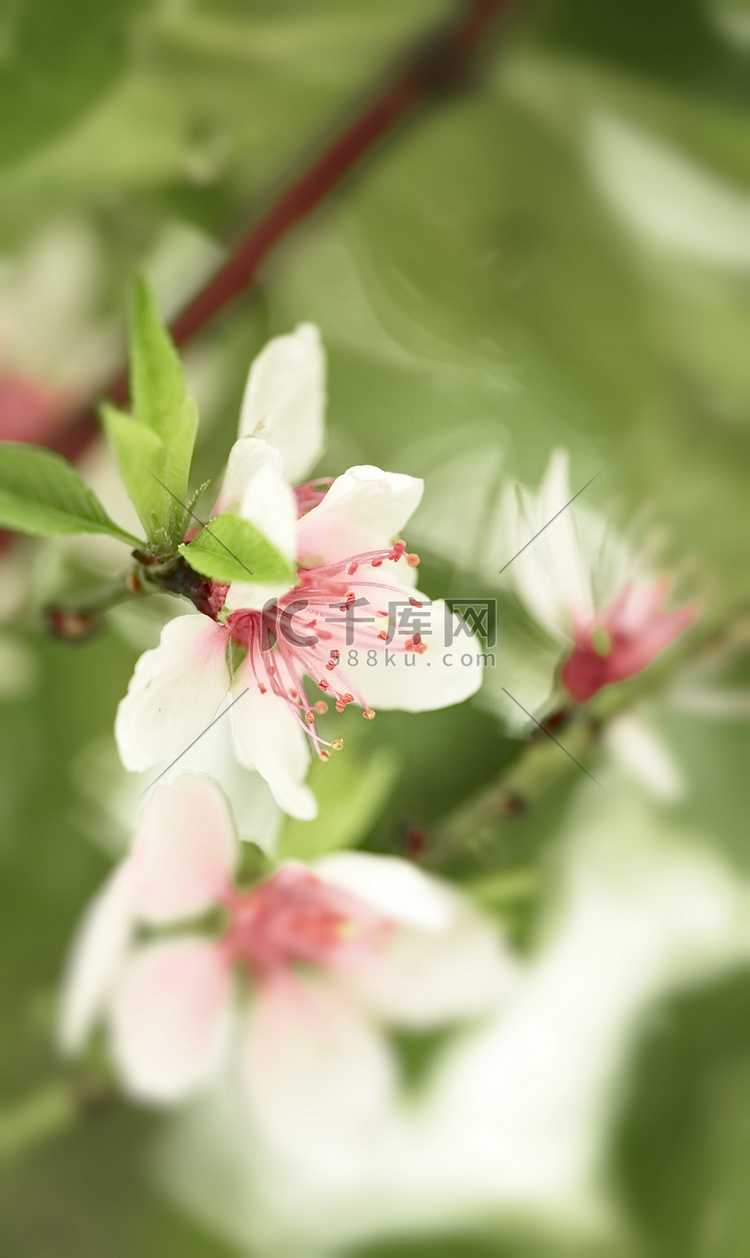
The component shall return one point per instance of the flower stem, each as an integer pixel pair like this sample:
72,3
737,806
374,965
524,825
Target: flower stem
472,831
77,622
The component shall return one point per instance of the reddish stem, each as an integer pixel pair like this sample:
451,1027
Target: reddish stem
444,61
439,63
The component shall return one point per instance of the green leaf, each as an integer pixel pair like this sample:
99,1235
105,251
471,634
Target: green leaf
232,549
140,458
160,399
41,493
154,447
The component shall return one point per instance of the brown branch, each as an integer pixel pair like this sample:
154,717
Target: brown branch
440,63
444,61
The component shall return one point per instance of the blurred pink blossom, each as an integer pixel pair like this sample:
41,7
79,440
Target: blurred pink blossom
288,982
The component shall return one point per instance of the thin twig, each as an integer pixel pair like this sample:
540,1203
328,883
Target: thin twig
549,734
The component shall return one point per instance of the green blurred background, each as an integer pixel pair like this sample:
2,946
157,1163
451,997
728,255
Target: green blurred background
555,251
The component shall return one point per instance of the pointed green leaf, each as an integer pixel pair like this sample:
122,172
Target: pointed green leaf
140,458
41,493
160,398
231,549
154,447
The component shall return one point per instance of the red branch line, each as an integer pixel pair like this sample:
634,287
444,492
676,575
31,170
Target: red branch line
439,63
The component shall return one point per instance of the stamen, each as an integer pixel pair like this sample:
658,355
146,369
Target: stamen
284,646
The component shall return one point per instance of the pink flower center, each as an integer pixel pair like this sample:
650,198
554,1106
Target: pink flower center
335,608
622,640
296,917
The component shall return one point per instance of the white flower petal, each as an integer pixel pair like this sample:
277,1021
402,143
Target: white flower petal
266,499
557,563
365,509
437,678
561,541
269,739
255,487
423,979
213,755
170,1018
396,888
257,814
185,849
528,569
284,399
442,961
242,462
319,1078
174,693
250,596
98,950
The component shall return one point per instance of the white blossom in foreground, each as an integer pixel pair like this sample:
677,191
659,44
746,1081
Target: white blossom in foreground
344,623
587,589
289,982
